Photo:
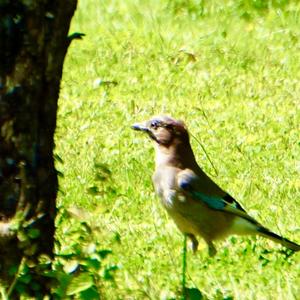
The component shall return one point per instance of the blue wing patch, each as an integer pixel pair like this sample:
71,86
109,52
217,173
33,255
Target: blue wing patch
210,201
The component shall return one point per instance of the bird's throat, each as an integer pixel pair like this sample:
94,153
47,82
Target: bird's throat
177,154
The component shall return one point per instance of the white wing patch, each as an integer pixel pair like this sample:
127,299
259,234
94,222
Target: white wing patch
181,198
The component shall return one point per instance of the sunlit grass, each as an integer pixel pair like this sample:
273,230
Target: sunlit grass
231,72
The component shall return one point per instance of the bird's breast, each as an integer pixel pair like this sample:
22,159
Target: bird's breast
165,184
172,200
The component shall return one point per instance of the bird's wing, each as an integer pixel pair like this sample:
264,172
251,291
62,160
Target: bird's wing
190,184
228,199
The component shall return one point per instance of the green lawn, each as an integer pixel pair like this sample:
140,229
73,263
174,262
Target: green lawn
230,69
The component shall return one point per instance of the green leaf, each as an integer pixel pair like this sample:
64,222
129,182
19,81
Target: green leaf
90,294
22,237
34,233
193,294
25,278
63,282
104,253
107,272
79,284
92,263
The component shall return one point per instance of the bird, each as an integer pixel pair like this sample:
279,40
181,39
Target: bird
198,206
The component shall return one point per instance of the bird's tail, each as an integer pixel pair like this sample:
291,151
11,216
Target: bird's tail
278,239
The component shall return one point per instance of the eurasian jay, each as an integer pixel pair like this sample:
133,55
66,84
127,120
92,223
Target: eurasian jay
198,205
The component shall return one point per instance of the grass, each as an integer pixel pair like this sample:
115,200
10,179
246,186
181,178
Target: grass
230,70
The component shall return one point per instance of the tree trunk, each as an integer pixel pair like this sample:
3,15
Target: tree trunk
33,44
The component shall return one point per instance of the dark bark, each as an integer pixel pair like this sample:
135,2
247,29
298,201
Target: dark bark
33,44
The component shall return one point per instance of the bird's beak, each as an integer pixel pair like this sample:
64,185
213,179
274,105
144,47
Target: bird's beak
140,127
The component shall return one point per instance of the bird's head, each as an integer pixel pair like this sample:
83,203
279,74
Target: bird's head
164,130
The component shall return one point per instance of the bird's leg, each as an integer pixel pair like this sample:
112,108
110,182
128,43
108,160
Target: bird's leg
194,242
211,249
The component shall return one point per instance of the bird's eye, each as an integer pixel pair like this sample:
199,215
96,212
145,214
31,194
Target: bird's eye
154,124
